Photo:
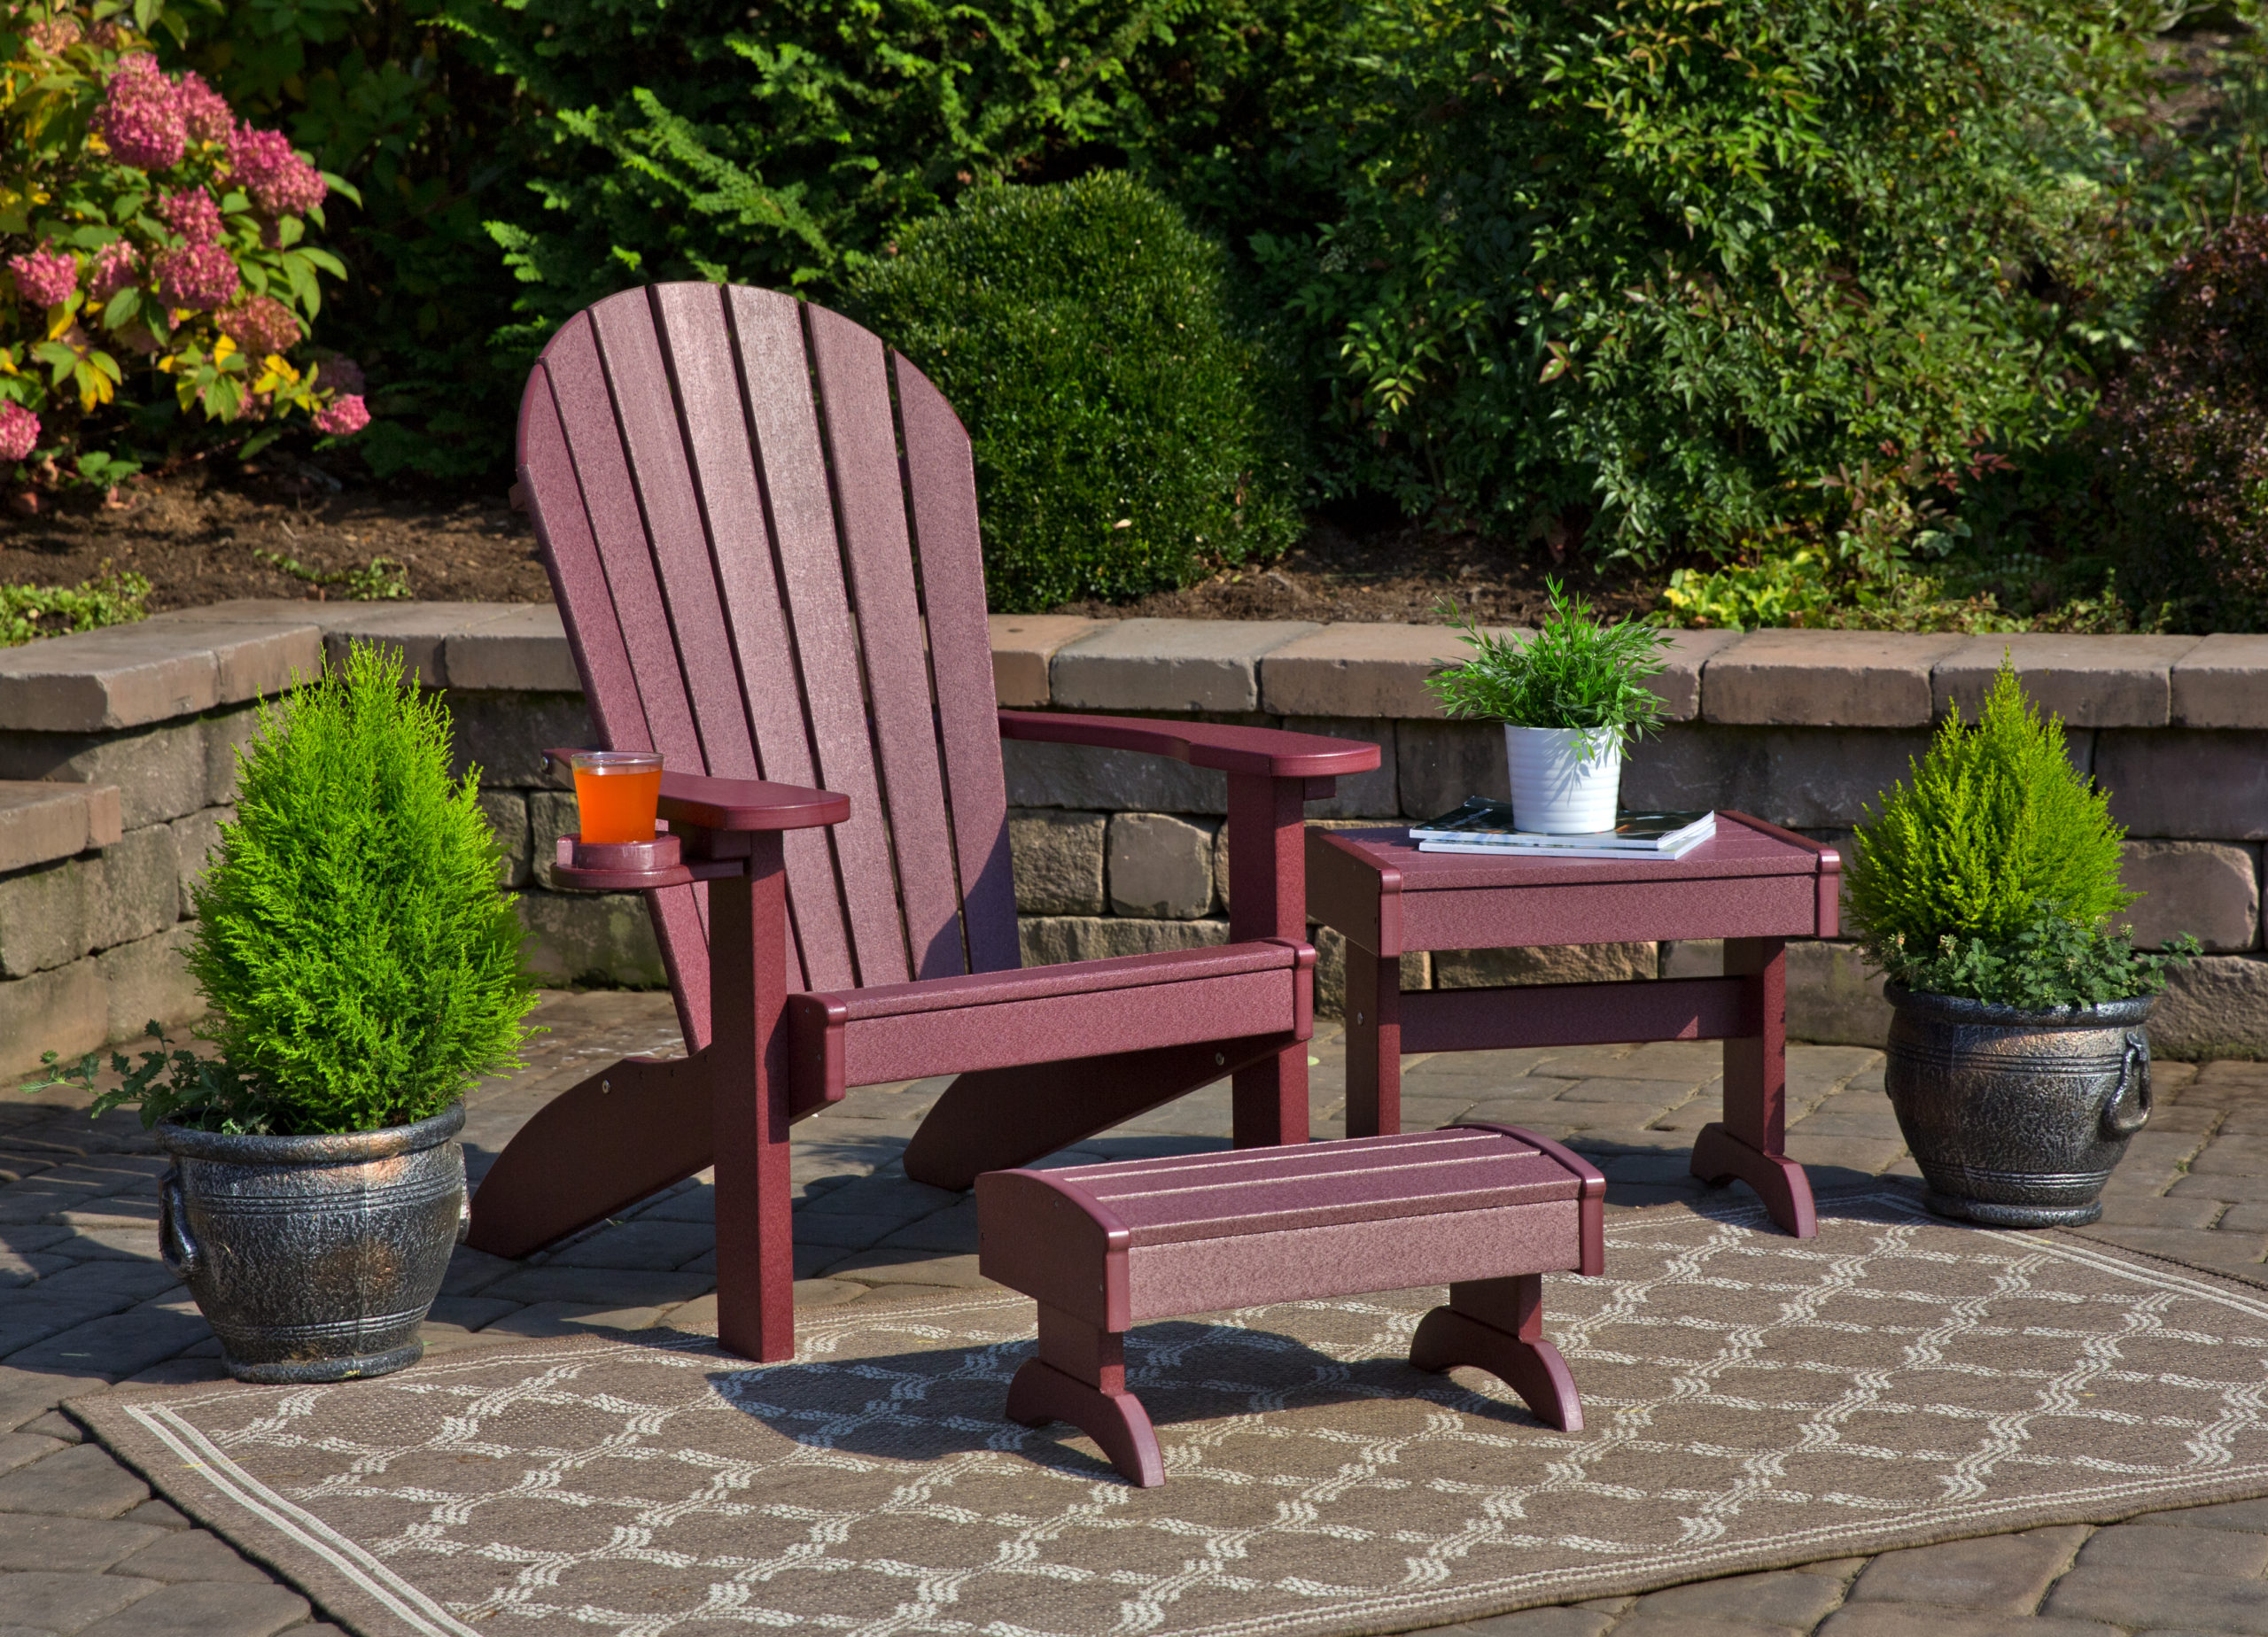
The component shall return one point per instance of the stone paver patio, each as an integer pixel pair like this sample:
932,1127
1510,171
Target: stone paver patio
85,1302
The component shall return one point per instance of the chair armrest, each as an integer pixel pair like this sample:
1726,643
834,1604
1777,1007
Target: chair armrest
1268,750
741,804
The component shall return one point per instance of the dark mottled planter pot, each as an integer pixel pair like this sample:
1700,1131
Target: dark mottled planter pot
2017,1118
314,1258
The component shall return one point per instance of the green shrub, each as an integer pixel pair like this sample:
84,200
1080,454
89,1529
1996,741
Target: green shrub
1120,420
363,966
30,612
1571,672
1995,871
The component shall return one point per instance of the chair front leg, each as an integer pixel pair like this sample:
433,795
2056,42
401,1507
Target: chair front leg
1268,899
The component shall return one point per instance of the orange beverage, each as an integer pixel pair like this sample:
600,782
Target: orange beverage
615,794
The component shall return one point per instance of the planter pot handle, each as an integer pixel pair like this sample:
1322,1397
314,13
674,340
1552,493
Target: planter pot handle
182,1258
2128,1111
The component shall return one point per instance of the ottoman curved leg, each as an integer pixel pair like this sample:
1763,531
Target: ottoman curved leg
1116,1421
1531,1368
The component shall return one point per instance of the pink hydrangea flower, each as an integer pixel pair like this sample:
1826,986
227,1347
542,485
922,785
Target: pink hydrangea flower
343,373
19,431
281,183
204,110
46,276
54,34
261,326
139,121
344,415
193,215
114,267
201,277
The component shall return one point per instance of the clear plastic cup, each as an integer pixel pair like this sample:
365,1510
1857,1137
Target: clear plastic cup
615,794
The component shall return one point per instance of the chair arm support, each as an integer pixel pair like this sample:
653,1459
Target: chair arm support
697,800
1270,751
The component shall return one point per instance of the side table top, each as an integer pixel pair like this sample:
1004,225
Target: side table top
1741,846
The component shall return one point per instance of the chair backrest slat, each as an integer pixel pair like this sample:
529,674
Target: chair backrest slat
941,485
768,569
870,498
774,362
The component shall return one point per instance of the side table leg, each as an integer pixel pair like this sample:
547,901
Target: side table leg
1373,1043
1497,1325
1080,1376
1751,1141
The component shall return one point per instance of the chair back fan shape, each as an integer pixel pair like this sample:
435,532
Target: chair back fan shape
763,532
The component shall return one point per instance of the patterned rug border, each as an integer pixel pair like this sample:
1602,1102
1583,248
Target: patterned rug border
144,1429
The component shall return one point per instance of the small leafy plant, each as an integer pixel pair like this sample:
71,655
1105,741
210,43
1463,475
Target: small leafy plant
1993,873
362,966
1574,672
29,612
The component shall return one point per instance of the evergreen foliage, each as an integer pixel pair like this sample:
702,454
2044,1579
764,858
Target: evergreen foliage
1573,672
1120,418
364,966
1995,871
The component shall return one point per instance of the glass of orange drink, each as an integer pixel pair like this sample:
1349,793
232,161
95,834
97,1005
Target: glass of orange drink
615,794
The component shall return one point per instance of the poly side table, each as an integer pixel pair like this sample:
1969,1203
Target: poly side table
1752,884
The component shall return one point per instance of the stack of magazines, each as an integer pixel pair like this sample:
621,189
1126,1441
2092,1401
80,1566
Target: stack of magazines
1484,827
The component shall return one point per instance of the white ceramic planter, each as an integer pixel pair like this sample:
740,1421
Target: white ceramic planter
1553,792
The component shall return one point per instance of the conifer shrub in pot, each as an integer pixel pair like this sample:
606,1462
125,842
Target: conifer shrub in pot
2019,1056
363,969
1569,695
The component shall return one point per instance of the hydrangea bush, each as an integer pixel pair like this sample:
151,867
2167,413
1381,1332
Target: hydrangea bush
145,231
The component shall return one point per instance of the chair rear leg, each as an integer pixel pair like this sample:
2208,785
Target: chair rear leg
992,1118
629,1130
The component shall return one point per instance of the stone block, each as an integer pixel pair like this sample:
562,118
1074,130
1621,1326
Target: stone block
1058,859
604,940
1358,670
70,1545
2179,784
134,887
1079,776
1167,664
64,1011
208,1611
226,733
2223,682
1678,683
549,816
1159,866
2088,681
1820,679
1806,778
2216,1007
42,821
80,1480
1834,998
148,980
160,772
2160,1600
1023,647
47,1602
1048,940
419,632
505,734
1373,794
1570,963
1437,765
197,839
2003,1574
43,916
193,1555
523,650
95,680
2210,890
1330,971
1694,957
507,813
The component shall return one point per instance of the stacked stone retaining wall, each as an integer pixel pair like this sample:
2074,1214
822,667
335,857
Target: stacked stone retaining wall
117,765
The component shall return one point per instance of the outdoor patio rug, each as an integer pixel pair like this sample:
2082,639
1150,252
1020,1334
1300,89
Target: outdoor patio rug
1755,1402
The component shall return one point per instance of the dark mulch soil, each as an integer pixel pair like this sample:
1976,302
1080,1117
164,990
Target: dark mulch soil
199,539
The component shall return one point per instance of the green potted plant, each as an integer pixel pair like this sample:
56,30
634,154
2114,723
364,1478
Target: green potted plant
2019,1060
363,969
1570,696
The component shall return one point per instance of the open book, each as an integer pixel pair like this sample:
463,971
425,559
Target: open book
1484,827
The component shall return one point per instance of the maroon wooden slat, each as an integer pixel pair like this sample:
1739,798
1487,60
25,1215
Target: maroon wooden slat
1574,1015
748,803
1270,751
870,501
1115,974
941,481
776,370
1611,912
1172,1174
1283,1205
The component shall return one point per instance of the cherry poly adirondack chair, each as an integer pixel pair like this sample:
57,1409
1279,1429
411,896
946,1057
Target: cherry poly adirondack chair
762,529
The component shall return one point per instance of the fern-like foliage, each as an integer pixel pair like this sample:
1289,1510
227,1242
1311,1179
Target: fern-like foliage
1995,823
364,966
1571,672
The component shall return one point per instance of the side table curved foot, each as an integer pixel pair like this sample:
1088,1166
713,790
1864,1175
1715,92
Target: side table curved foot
1116,1421
1719,1157
1531,1368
